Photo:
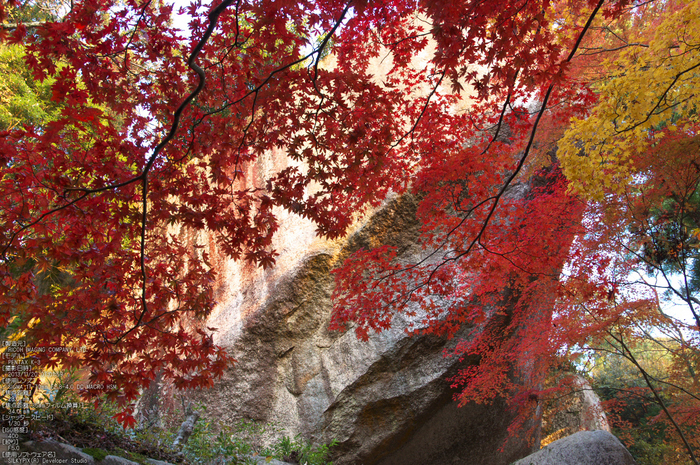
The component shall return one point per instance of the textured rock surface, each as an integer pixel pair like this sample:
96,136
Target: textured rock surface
157,462
582,448
386,401
67,454
114,460
63,453
580,411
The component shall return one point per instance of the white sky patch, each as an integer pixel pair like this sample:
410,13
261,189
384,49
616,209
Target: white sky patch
181,21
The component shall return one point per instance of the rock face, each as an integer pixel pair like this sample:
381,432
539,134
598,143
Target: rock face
582,448
580,411
386,401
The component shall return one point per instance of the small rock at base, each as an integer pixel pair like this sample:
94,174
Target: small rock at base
582,448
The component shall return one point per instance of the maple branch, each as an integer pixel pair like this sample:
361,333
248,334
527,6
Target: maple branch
686,297
635,5
422,112
531,140
136,28
144,277
326,39
191,62
675,386
662,98
213,19
37,221
683,345
405,39
143,177
323,44
495,198
599,50
506,104
471,210
504,255
624,351
256,90
625,43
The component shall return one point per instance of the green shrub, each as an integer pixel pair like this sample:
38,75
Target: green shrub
298,450
236,444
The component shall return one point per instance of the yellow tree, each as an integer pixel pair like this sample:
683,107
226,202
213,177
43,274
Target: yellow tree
650,94
635,159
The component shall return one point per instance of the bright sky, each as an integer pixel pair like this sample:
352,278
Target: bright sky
180,21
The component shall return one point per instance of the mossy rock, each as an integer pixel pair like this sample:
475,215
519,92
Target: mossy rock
133,456
97,454
100,454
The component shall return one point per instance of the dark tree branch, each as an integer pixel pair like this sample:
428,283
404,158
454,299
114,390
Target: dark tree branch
647,379
213,19
497,197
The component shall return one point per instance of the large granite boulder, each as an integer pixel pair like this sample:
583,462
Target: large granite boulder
386,401
582,448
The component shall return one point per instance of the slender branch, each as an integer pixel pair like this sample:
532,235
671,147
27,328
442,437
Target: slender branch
327,39
213,20
625,352
657,106
422,112
504,187
598,50
136,28
496,198
659,400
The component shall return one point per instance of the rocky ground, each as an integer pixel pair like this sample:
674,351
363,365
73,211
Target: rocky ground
86,435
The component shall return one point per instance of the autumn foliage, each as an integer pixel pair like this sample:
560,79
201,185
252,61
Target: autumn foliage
153,127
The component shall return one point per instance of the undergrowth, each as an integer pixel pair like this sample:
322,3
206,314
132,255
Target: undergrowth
98,434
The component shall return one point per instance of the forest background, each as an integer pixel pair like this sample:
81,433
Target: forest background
117,127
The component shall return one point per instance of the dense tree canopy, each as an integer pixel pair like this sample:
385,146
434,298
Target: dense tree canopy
149,128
